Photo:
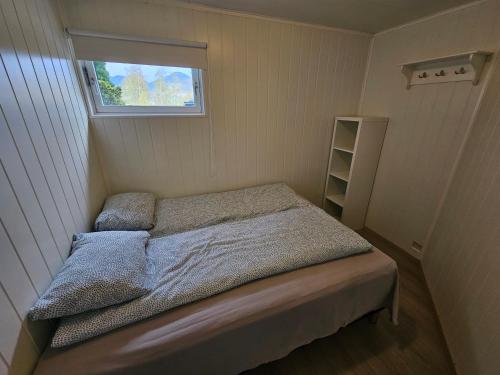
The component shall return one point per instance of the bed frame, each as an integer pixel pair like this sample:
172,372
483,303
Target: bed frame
242,328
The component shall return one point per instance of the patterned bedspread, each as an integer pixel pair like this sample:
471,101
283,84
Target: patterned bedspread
174,215
200,263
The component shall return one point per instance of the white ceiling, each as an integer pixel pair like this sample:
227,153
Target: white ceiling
363,15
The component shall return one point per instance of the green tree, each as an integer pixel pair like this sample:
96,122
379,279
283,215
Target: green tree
110,93
161,92
135,87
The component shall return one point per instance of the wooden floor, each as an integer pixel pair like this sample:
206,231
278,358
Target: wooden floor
415,346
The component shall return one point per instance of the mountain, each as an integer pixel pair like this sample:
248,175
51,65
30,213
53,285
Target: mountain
117,80
183,79
180,78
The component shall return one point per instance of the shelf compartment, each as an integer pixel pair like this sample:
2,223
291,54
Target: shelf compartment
336,191
345,135
343,149
338,199
343,175
333,209
341,162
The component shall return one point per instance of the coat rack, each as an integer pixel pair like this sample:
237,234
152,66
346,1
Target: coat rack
461,67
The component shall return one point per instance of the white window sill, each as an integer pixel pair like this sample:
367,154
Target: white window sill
146,115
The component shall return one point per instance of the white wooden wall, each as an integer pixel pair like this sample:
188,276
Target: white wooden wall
276,88
428,124
462,261
431,135
50,182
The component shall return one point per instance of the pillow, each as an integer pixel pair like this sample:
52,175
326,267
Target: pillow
104,268
127,211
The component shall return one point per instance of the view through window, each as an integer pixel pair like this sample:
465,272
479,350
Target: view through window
129,88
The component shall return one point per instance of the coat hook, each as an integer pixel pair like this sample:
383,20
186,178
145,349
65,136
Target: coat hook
440,74
461,71
423,75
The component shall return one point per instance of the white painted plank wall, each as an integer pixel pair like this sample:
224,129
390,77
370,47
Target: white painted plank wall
275,89
462,260
428,124
428,134
50,182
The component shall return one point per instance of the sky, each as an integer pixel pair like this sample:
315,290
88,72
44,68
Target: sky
149,71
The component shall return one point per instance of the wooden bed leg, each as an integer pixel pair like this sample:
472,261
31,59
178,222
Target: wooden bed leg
373,317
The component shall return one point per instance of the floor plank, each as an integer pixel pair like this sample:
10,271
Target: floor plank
415,347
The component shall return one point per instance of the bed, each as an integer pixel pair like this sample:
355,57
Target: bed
242,327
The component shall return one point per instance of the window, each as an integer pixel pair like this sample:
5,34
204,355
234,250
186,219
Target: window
129,75
117,88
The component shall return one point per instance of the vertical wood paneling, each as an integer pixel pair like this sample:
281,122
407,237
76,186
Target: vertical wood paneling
466,243
275,88
14,277
10,326
428,124
50,180
432,143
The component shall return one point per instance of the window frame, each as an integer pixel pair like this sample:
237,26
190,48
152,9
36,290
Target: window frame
92,91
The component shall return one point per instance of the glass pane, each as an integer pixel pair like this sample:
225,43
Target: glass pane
144,85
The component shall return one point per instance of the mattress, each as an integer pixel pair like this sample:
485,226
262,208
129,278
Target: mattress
239,329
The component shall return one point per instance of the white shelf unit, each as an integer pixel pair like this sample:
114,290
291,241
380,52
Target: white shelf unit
354,154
